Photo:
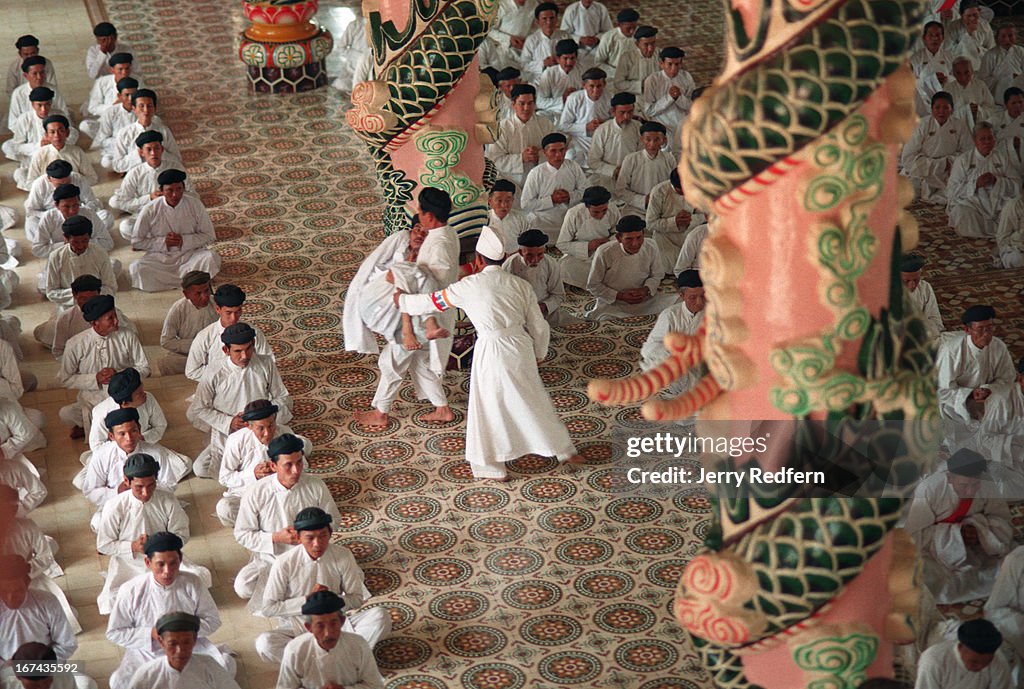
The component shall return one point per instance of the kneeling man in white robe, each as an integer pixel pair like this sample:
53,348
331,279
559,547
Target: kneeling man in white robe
937,141
981,183
531,263
685,317
920,293
178,634
970,662
624,275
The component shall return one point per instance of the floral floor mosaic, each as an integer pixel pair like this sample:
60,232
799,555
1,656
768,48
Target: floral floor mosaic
558,578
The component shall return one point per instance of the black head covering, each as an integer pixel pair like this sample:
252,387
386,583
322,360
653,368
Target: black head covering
323,603
965,462
56,119
229,295
162,542
911,263
123,385
284,444
149,137
671,52
533,238
504,185
178,622
553,138
76,226
40,94
627,15
522,90
116,417
67,191
630,223
237,334
258,409
32,62
688,278
59,169
645,32
104,29
141,465
120,59
978,312
26,41
312,519
596,196
566,46
171,177
652,126
981,636
623,98
86,283
127,83
95,308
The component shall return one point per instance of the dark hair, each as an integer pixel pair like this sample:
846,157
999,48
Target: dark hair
1010,92
436,202
144,93
942,95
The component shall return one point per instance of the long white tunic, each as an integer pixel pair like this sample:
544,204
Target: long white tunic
39,618
510,227
134,192
64,266
202,672
243,452
633,69
513,19
102,96
972,46
351,46
1005,607
536,48
962,367
182,323
1000,67
609,49
552,84
207,350
926,66
510,414
610,146
975,212
664,205
80,163
930,149
161,267
21,104
307,666
31,491
87,352
125,153
16,431
358,337
15,77
578,229
546,280
941,667
27,133
675,319
439,257
125,518
659,105
514,137
267,506
26,539
96,61
579,111
48,234
541,183
1010,229
640,173
11,387
40,198
111,122
924,303
613,271
975,93
582,21
71,322
105,471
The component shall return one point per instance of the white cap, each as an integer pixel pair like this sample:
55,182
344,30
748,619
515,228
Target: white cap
490,244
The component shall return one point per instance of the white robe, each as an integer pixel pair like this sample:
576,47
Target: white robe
39,618
351,46
931,147
579,111
924,303
582,21
953,571
1005,607
207,350
515,136
664,205
110,124
659,105
64,266
243,452
134,192
125,154
551,84
941,667
183,323
307,666
510,414
609,49
613,270
609,147
15,77
80,163
675,319
162,268
102,96
513,19
31,491
640,173
202,672
97,62
999,69
963,96
1010,234
972,46
84,356
536,48
542,181
974,212
105,472
578,229
21,104
48,234
926,66
71,322
633,69
40,200
27,134
509,227
546,280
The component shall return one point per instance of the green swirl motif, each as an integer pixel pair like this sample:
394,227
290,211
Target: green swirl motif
443,149
845,659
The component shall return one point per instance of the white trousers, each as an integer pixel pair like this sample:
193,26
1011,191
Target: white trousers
395,362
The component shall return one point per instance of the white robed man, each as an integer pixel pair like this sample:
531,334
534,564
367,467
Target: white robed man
141,184
685,317
613,140
1005,608
584,111
639,62
920,293
351,46
516,149
31,491
33,70
972,100
668,94
186,318
28,130
938,140
504,42
55,146
107,43
1010,234
27,46
127,521
969,662
531,263
207,350
93,357
17,434
244,460
645,169
1003,64
28,614
124,154
175,231
424,365
586,227
178,634
613,43
625,274
932,64
557,82
327,656
144,599
962,529
670,218
586,21
315,565
981,183
554,186
103,94
103,479
29,674
40,195
267,511
501,216
510,414
971,35
225,390
47,235
539,47
54,334
113,120
77,256
126,391
1009,123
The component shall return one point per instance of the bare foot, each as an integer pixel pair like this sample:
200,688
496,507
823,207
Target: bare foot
439,415
437,333
576,459
371,418
410,342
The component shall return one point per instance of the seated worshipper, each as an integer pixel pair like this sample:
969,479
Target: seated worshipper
937,141
502,217
613,43
638,63
245,455
586,227
586,21
47,235
643,170
920,293
55,147
585,110
91,359
103,94
516,149
670,218
1008,124
326,655
207,350
932,64
316,565
107,44
505,80
54,334
512,336
15,383
351,47
962,531
687,317
613,141
225,390
40,196
27,46
426,366
113,120
141,184
268,508
31,491
531,263
76,257
504,42
624,275
127,521
552,187
689,254
1010,234
972,101
981,183
560,80
127,392
179,666
175,232
539,47
1001,65
186,318
124,154
28,614
144,599
29,676
33,70
28,131
971,35
969,662
668,94
17,435
1005,607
